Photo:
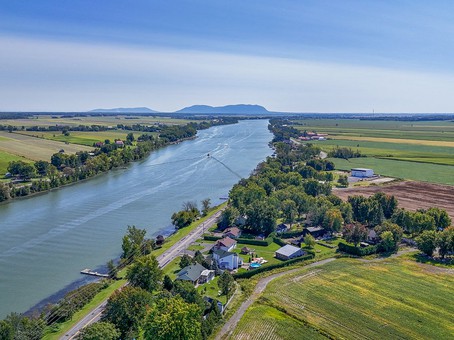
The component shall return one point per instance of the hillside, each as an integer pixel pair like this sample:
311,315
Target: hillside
126,110
238,109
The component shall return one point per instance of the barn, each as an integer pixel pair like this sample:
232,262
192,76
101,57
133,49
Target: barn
362,172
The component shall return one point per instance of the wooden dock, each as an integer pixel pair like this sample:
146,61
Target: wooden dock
87,271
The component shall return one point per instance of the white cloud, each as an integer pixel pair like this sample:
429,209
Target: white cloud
51,75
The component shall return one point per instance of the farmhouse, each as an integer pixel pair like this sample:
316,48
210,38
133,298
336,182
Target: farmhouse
195,274
227,260
362,172
225,243
232,232
288,252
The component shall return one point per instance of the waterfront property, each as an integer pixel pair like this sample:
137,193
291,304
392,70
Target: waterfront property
196,274
227,260
288,252
226,244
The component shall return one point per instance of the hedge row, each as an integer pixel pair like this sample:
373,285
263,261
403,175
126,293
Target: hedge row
279,241
347,248
331,246
265,243
211,238
250,273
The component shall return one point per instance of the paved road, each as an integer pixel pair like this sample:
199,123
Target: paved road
231,324
163,259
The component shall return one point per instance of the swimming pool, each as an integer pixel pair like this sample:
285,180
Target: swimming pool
255,265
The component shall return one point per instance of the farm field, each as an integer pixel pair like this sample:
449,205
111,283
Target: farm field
351,299
82,137
35,148
426,172
5,158
411,195
47,120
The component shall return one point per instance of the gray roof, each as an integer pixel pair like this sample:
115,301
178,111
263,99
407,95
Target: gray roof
313,229
222,253
288,250
191,273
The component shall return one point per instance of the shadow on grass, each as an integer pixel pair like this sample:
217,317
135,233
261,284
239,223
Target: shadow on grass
421,258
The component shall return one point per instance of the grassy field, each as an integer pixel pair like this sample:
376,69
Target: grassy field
82,137
426,172
5,158
35,148
347,298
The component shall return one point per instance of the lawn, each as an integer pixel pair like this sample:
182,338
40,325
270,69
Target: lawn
260,251
348,298
425,172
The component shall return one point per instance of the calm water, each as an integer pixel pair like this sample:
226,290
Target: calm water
46,240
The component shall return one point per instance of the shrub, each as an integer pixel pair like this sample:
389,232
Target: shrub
350,249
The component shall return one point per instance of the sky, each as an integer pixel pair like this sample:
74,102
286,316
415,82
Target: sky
289,56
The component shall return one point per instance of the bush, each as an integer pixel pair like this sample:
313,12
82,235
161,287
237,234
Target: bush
264,243
211,238
291,234
250,273
350,249
279,241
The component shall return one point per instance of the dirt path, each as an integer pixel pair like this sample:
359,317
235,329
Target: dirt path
231,324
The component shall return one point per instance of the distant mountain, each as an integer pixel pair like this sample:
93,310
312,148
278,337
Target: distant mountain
238,109
125,110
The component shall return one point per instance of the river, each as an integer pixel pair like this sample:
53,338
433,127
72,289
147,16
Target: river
46,240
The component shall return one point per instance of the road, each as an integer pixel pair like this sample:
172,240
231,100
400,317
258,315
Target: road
163,259
231,324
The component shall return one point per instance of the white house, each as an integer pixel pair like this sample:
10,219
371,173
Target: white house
288,252
362,172
227,260
225,243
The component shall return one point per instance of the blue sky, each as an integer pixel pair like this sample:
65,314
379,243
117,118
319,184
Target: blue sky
300,56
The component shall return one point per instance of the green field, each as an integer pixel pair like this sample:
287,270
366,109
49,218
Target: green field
347,298
5,158
434,173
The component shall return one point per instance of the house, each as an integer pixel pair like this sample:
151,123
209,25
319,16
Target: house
193,274
119,143
362,172
225,243
314,231
99,144
288,252
227,259
245,250
372,236
282,228
232,232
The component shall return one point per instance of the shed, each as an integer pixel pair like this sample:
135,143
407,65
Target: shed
362,172
288,252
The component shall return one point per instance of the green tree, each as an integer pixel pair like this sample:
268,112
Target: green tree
112,269
126,309
133,242
6,330
441,217
226,283
343,181
394,229
309,240
189,294
445,241
427,242
206,205
173,319
42,167
167,283
99,331
355,233
182,219
130,137
289,211
387,242
185,261
228,217
145,273
333,220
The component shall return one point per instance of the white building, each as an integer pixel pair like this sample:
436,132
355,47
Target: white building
227,260
288,252
362,172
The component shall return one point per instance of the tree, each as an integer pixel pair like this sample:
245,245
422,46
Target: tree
21,169
441,217
395,231
355,233
333,220
6,330
427,242
309,240
126,309
387,242
189,294
182,219
130,137
228,217
99,331
343,180
145,273
185,261
25,328
261,217
167,283
289,211
445,241
226,284
133,242
42,167
112,269
206,205
173,319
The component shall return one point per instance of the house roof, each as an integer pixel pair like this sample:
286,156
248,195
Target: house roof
191,273
288,250
314,229
233,230
226,242
222,253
